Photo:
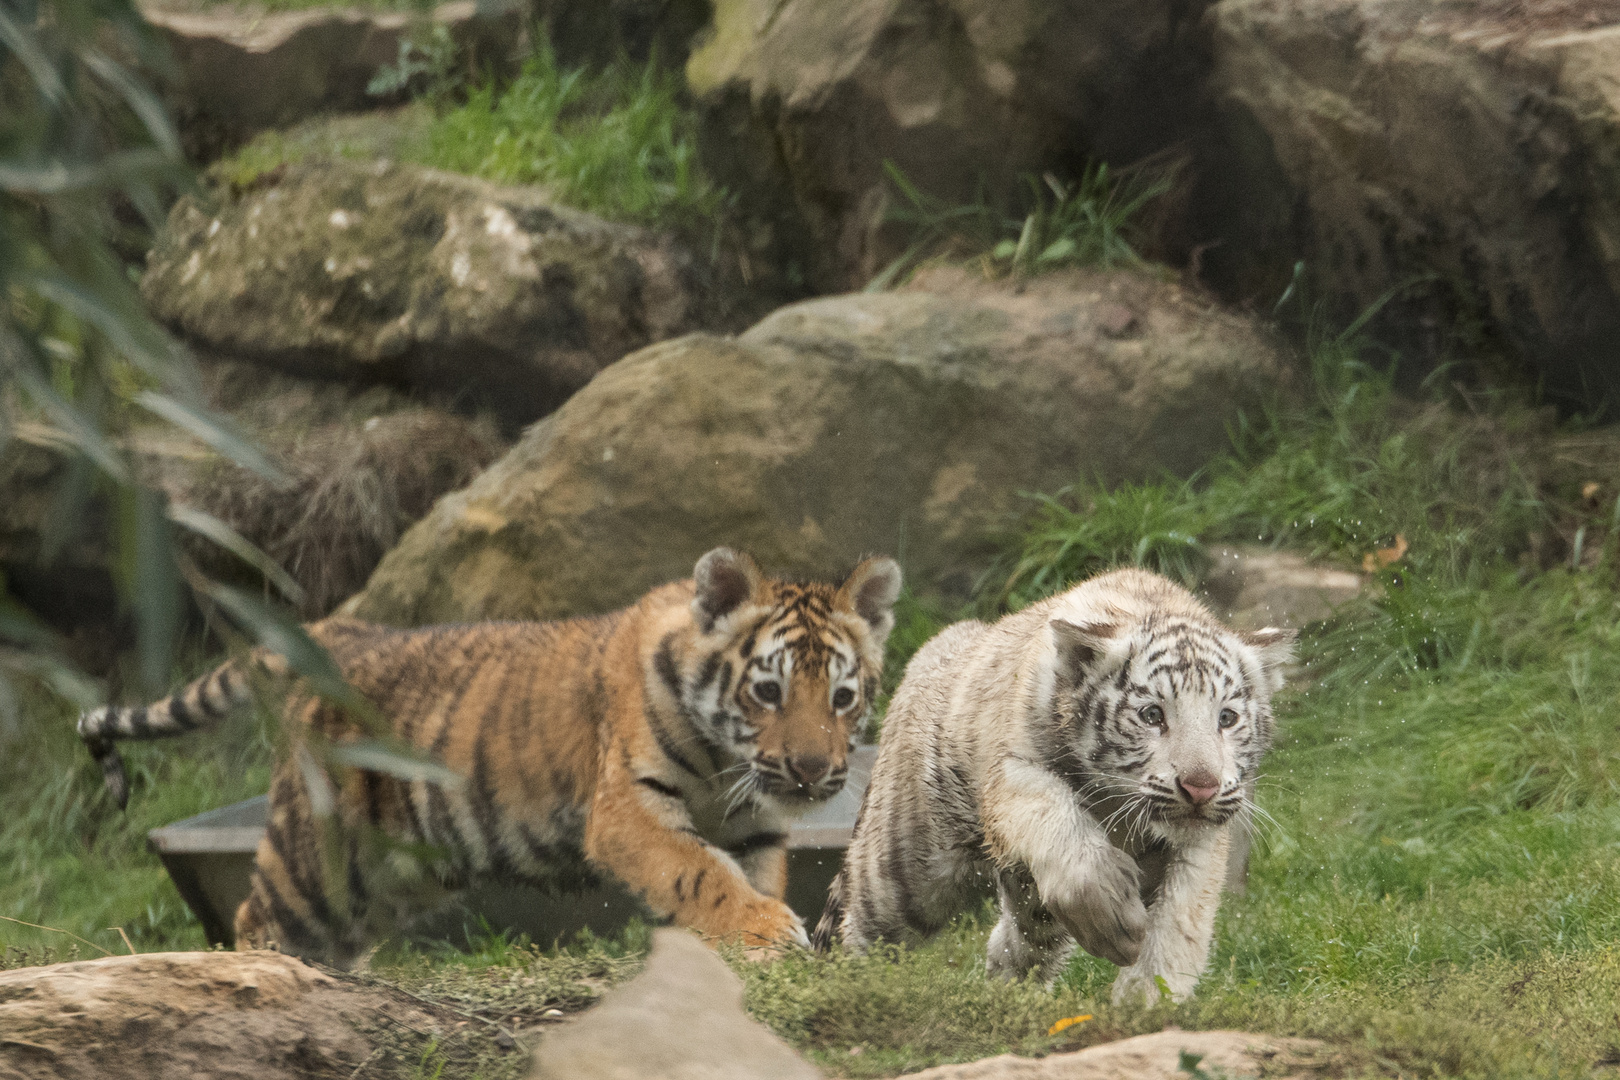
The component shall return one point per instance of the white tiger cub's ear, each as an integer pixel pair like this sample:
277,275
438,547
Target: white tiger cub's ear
871,591
725,579
1275,648
1079,645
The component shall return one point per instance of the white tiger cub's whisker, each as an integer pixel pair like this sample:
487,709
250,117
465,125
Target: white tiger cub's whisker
1092,749
1259,822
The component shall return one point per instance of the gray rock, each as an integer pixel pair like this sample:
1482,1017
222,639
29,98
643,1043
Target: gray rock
804,101
232,1016
1152,1057
682,1018
904,422
1250,586
1477,143
599,31
235,73
407,276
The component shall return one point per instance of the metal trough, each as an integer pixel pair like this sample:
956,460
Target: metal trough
210,857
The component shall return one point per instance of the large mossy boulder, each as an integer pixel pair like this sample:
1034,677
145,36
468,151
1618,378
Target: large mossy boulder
906,423
805,100
1475,146
402,275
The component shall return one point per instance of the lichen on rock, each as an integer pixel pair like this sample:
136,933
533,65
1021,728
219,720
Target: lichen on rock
397,274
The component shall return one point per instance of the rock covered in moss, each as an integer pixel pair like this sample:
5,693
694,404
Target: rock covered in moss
805,100
1475,147
398,274
903,422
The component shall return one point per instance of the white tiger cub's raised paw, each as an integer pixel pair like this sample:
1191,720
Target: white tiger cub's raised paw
1100,904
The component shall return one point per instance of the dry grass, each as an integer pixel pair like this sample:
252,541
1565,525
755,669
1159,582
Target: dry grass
355,489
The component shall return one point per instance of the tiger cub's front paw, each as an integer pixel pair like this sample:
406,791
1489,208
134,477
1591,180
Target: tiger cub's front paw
1100,905
765,928
1136,986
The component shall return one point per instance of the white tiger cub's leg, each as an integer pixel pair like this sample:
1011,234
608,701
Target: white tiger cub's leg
1089,886
1026,938
1181,924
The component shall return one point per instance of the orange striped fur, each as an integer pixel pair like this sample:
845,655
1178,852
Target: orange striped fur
668,745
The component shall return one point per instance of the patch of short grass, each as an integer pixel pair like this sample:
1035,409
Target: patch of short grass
617,141
1444,841
1090,220
388,133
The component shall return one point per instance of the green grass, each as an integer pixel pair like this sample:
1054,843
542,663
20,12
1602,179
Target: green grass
618,141
1090,221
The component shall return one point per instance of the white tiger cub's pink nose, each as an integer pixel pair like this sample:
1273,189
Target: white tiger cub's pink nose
1200,787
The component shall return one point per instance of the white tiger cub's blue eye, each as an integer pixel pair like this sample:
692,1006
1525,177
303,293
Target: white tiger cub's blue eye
1151,714
1228,718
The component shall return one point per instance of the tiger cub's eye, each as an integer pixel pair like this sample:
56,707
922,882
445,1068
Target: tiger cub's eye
1151,714
769,692
1228,718
843,697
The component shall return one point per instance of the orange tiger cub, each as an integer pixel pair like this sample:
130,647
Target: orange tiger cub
669,745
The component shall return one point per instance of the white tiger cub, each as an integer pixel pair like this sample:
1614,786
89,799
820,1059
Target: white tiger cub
1087,754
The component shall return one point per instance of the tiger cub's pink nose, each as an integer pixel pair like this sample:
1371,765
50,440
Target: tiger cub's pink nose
808,769
1200,787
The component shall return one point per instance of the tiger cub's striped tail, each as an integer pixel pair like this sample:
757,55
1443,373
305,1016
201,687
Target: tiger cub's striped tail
204,703
831,923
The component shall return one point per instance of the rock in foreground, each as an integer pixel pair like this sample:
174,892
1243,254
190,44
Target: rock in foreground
254,1016
682,1018
904,423
403,275
1250,586
1151,1057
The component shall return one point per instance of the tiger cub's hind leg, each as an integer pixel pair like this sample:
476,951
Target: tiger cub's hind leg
290,904
1026,938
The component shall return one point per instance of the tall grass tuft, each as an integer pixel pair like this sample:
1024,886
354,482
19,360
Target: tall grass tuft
1091,221
1086,529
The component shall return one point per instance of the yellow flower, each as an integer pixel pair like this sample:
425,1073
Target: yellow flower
1066,1022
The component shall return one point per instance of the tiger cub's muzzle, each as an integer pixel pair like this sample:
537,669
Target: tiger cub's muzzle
807,777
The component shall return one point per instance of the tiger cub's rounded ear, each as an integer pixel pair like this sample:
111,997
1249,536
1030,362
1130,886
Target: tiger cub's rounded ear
870,592
1275,648
725,580
1079,645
